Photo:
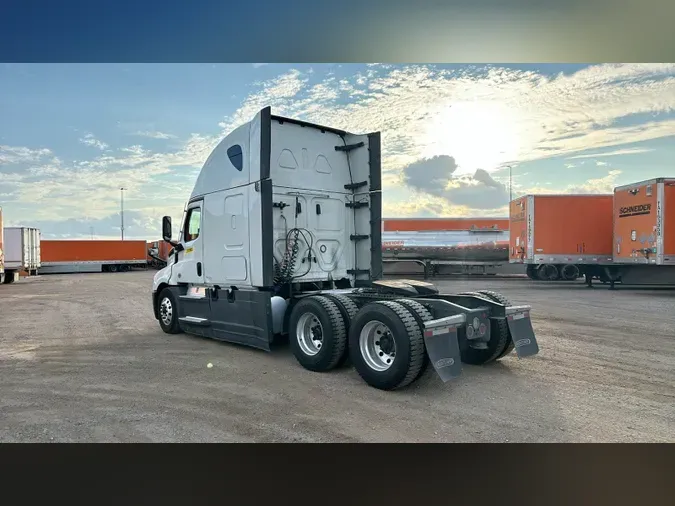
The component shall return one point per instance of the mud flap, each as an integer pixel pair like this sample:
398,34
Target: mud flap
440,339
522,333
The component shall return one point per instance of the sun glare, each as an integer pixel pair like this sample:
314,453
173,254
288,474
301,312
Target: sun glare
479,135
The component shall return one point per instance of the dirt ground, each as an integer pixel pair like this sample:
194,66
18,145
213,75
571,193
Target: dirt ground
82,359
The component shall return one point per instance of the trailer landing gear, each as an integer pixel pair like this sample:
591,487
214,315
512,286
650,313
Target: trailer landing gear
589,280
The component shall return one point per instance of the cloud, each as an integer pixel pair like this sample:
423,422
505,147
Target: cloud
436,176
604,184
444,134
90,140
11,155
600,163
258,65
154,135
484,118
628,151
137,225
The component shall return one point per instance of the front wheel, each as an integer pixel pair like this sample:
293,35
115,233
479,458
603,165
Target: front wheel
168,312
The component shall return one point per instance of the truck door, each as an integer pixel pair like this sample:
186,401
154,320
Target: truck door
190,268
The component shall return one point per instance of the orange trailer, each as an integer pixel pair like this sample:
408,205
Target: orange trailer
65,256
555,233
643,234
626,237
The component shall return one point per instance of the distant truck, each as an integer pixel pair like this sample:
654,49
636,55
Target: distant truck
70,256
22,251
626,237
158,253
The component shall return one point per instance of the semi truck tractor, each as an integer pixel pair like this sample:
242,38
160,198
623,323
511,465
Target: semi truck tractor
282,236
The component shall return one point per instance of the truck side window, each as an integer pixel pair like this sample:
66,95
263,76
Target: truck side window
236,157
192,224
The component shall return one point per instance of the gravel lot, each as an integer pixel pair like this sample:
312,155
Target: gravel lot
83,359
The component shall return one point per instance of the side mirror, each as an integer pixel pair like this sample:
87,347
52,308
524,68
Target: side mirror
166,228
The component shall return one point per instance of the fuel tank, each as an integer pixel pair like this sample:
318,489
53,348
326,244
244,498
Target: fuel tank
463,240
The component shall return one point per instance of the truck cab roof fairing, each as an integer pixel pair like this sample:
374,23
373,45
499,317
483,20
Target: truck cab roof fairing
230,163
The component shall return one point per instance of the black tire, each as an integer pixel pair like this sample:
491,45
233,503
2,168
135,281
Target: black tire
570,272
421,314
349,309
112,268
500,336
333,333
500,326
548,272
406,334
170,325
531,272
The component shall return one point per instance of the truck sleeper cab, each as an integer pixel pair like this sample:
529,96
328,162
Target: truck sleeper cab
282,236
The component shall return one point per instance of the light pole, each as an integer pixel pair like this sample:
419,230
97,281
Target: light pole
510,184
122,211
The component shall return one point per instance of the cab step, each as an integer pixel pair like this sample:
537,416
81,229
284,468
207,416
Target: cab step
194,320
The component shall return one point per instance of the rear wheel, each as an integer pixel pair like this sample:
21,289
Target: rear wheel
168,312
318,335
500,326
349,309
421,314
112,268
500,337
386,345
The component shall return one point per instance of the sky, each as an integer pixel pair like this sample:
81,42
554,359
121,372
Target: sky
72,134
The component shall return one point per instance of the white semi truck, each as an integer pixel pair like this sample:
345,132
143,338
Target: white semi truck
282,236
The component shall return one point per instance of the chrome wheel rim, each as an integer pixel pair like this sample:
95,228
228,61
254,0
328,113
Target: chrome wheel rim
166,311
309,334
377,345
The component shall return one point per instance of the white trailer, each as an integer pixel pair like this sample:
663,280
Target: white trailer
282,236
22,251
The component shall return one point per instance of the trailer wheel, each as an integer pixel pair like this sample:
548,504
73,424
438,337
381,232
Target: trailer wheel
531,272
112,268
349,309
421,314
570,272
168,312
386,345
318,335
548,272
500,326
